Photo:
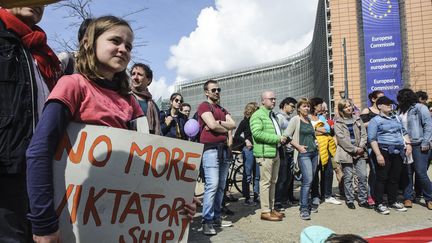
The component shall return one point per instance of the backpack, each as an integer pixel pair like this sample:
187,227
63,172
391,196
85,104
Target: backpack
195,116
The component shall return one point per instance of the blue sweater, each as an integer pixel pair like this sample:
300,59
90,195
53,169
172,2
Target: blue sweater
40,153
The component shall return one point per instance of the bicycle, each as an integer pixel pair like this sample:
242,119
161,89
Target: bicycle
235,176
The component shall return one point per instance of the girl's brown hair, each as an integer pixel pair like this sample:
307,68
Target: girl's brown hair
341,106
86,58
250,108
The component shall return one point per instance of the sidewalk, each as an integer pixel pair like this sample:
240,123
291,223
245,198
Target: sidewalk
247,227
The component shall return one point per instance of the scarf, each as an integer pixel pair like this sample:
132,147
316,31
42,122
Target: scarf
152,113
35,40
348,120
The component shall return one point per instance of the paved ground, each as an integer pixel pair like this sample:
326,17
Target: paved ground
367,223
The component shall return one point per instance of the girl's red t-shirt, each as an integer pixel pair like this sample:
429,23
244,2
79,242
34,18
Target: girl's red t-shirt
92,104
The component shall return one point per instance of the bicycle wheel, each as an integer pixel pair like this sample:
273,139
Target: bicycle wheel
199,188
238,178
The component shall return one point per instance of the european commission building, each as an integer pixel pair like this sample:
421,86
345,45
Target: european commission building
398,38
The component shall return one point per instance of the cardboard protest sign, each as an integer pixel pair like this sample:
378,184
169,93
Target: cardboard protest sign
115,185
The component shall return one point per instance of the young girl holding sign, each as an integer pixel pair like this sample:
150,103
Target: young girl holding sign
98,94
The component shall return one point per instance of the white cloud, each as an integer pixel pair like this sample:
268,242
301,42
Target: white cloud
242,33
160,88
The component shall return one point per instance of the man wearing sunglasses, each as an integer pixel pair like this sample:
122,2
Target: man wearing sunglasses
215,122
284,196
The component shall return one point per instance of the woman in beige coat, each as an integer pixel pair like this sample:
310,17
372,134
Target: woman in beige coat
351,152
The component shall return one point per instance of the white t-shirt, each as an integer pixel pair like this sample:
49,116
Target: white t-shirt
404,119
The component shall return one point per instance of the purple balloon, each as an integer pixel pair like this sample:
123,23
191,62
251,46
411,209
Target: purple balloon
191,128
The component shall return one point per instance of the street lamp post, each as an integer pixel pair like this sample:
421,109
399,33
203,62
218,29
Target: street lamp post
345,70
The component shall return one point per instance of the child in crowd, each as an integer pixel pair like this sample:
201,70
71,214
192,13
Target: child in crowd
98,94
351,152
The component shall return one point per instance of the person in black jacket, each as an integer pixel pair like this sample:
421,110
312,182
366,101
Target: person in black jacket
172,120
244,142
29,69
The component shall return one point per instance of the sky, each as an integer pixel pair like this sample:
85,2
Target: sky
188,39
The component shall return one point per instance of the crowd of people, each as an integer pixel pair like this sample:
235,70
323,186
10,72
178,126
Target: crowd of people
299,142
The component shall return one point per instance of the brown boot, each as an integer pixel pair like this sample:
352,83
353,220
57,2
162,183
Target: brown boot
408,203
278,214
429,205
270,217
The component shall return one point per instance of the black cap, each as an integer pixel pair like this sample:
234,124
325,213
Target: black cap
384,100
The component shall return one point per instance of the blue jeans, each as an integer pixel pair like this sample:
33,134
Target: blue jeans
308,163
327,174
419,166
250,169
324,181
215,173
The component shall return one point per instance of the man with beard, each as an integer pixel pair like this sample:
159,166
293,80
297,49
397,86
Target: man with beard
215,122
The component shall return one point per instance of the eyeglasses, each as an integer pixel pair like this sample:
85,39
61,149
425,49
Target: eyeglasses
216,89
178,101
271,99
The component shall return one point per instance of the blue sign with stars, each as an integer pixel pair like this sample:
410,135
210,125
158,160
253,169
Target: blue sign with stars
382,45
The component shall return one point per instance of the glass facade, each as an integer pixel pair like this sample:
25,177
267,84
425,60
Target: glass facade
304,74
318,70
290,77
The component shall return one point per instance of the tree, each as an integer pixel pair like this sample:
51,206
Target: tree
79,10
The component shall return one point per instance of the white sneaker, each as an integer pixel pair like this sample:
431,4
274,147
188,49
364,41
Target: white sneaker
222,223
398,207
382,209
333,200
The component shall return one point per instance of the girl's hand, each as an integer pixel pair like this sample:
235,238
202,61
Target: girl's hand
408,149
51,238
302,149
425,148
168,120
380,160
190,208
248,144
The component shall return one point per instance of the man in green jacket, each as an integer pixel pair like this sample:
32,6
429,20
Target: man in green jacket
267,137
